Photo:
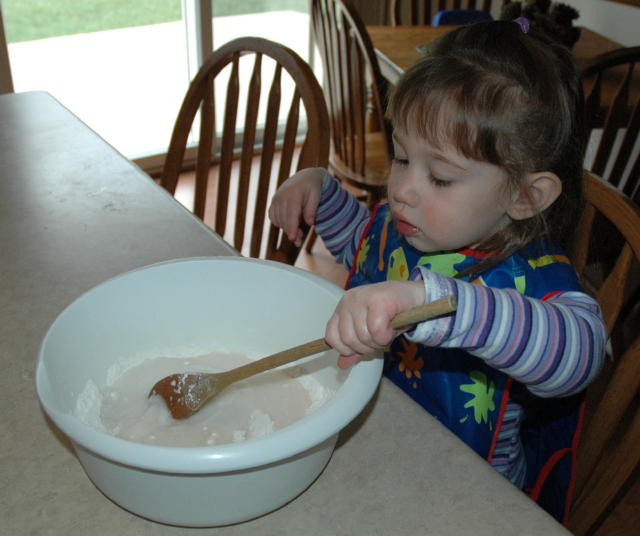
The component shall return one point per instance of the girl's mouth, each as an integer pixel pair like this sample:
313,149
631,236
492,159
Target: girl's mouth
405,228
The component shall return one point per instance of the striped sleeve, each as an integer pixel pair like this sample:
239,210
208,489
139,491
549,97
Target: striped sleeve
340,220
555,347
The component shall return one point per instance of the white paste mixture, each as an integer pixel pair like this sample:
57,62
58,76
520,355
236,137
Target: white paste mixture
247,409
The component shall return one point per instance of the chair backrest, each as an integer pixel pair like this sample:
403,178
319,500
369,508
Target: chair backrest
251,156
417,12
612,91
608,451
354,87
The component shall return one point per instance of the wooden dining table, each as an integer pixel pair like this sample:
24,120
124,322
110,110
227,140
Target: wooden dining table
397,46
74,213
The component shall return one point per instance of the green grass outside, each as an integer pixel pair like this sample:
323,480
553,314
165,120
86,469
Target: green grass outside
27,20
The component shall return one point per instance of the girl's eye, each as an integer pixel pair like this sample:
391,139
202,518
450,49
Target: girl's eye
439,183
400,161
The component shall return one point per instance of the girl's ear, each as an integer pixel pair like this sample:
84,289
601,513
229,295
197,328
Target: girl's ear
537,192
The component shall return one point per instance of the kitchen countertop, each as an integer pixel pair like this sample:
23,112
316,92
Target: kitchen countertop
73,213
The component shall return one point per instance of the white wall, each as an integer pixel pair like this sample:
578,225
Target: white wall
619,22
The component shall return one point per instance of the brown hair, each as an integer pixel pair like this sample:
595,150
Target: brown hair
509,99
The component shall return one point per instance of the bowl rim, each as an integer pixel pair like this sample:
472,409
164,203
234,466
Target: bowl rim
358,388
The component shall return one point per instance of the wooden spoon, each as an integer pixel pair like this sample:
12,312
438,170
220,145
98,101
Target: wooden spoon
186,393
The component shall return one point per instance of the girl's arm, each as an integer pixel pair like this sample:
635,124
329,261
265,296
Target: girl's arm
340,220
555,346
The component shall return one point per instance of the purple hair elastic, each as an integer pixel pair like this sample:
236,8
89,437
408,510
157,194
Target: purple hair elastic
524,24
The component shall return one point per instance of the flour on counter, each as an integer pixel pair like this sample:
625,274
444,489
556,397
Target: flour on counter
248,409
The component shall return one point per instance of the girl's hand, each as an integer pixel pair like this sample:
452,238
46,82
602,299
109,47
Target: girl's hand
361,322
297,198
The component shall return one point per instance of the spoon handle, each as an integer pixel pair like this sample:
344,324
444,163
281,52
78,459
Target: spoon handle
424,312
404,319
276,360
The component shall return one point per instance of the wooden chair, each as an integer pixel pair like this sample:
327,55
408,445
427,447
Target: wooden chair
608,451
251,156
614,78
418,12
355,94
459,17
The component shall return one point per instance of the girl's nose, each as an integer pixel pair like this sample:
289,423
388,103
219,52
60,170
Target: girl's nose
404,190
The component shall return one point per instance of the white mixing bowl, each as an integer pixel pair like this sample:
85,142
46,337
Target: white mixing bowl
191,307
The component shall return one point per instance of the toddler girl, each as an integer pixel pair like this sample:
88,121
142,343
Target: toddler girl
483,192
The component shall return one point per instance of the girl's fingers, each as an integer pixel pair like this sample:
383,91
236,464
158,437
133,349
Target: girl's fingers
310,206
285,212
355,334
379,327
348,335
292,215
287,217
347,361
338,334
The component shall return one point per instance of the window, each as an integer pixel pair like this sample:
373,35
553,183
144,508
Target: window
123,66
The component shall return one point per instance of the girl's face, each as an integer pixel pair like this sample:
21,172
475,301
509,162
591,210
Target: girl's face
440,200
